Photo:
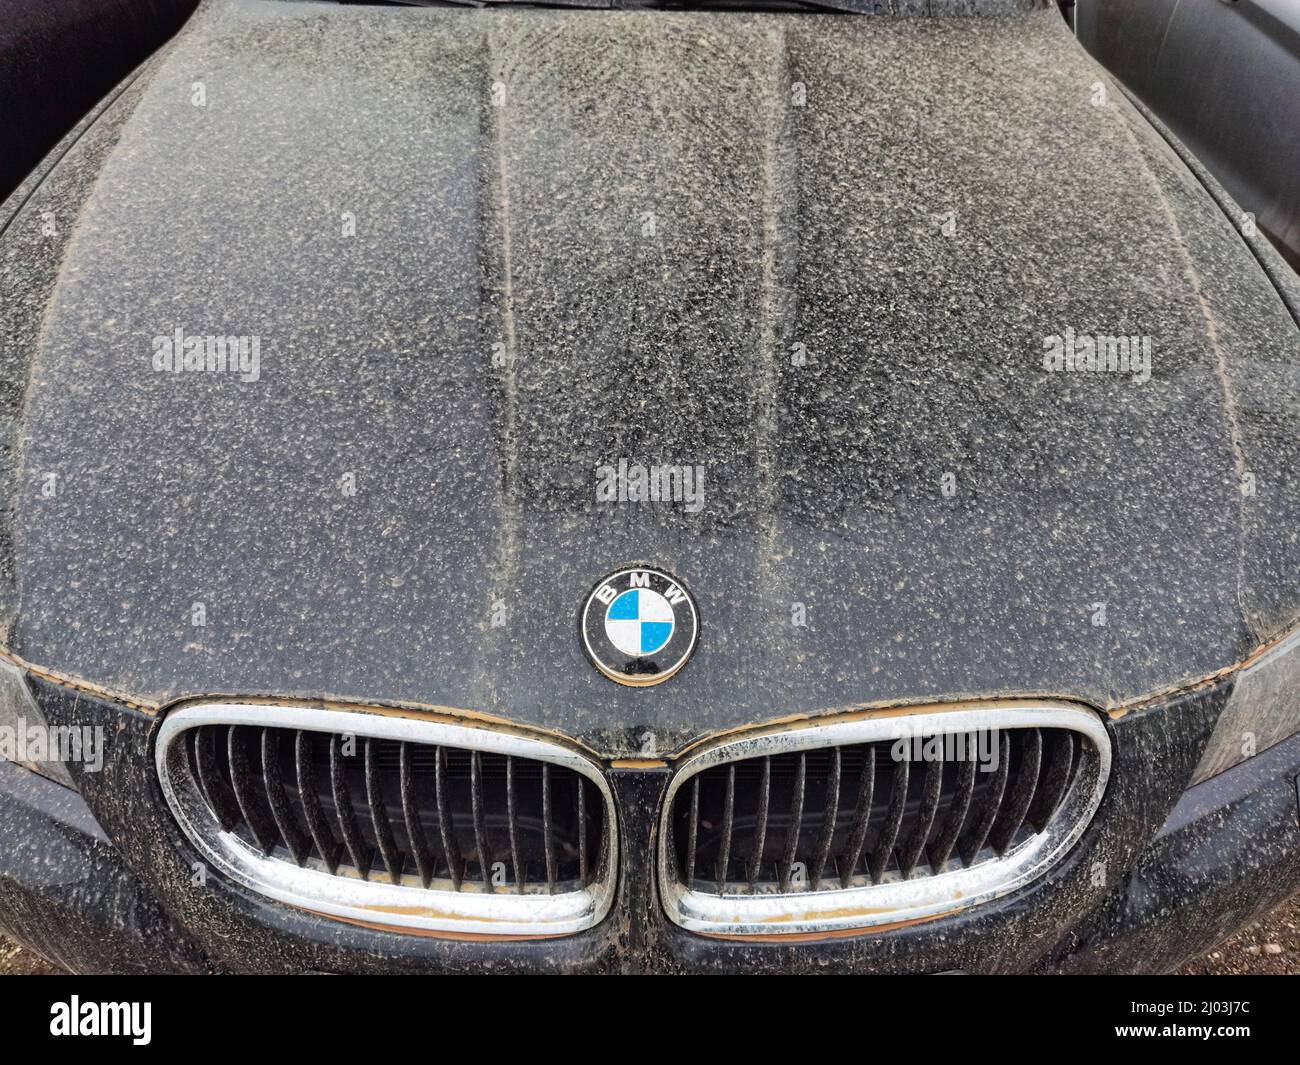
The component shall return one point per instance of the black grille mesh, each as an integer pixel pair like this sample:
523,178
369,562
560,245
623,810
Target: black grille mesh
853,815
385,808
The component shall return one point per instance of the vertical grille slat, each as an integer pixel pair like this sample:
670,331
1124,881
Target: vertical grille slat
214,786
693,832
478,808
1056,779
358,850
317,824
411,815
1022,793
942,849
244,787
295,839
861,821
446,829
760,824
991,803
582,832
888,837
379,813
796,821
728,822
548,840
931,790
831,809
512,819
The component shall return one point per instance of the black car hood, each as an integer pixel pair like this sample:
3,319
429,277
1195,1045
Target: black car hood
485,253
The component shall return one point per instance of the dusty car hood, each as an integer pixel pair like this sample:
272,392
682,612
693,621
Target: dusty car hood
655,250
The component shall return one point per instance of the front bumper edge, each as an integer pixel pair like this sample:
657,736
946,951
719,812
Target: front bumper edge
66,894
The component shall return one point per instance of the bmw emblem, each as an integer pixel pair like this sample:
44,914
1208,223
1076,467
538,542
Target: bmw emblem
639,626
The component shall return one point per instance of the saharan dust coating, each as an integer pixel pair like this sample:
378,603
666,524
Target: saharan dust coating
468,259
646,252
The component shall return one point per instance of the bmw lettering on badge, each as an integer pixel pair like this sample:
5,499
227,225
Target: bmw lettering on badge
639,626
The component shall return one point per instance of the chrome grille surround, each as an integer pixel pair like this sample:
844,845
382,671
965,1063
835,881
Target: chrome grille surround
468,909
771,910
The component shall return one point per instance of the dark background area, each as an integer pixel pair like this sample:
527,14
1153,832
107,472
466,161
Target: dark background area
58,58
1225,77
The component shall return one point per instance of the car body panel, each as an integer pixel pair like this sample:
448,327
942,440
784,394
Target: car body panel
524,226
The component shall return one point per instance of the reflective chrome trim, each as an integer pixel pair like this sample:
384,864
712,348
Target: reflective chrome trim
895,900
472,910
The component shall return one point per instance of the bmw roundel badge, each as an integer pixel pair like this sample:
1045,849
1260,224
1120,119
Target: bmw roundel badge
639,626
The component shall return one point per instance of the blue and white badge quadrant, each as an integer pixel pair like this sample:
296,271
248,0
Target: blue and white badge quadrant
639,622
